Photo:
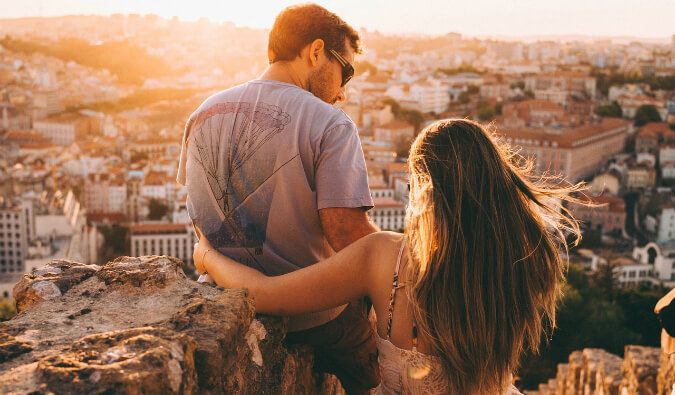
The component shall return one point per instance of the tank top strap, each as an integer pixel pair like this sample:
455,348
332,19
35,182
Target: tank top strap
414,333
394,287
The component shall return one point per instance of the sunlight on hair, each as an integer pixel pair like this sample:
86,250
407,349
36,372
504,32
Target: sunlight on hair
418,372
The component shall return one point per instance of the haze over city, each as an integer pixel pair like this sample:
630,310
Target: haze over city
625,18
94,101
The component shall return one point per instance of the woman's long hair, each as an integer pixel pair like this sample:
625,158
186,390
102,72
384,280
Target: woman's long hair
484,237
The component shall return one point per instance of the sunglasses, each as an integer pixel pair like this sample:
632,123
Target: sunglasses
347,68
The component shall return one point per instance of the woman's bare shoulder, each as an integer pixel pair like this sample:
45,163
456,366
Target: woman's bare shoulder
383,248
382,239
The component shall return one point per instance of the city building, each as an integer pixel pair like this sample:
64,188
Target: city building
394,131
631,273
379,151
533,112
560,86
15,221
666,224
105,193
152,149
573,153
606,213
608,183
387,214
175,240
661,257
630,103
640,176
63,130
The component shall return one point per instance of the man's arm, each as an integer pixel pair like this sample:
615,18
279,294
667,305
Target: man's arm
344,225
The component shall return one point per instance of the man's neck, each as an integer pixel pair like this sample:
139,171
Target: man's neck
285,72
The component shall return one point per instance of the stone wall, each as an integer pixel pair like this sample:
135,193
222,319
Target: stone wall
139,325
592,371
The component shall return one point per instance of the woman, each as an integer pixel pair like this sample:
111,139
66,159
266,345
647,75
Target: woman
476,276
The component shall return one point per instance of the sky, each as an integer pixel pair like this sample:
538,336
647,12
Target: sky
646,18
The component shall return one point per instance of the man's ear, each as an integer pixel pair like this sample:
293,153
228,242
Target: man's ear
315,51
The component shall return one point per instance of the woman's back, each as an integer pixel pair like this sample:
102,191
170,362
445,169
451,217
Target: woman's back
406,363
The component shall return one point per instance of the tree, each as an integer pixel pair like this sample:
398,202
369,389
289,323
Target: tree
645,114
115,241
486,113
361,67
7,309
157,209
607,278
472,89
464,98
591,238
395,106
402,146
610,110
414,117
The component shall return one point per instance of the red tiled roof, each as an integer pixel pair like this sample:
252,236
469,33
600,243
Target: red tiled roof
395,125
149,229
385,202
569,138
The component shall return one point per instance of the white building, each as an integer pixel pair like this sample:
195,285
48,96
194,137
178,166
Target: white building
432,96
381,191
666,154
175,240
631,273
105,193
666,228
661,256
668,170
387,214
67,229
14,224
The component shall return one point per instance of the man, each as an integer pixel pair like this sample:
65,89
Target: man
277,180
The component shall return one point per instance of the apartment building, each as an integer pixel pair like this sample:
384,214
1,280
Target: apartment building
573,153
15,221
175,240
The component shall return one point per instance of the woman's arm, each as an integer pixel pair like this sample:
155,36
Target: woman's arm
342,278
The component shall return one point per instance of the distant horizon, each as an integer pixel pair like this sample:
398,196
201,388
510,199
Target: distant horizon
601,19
502,37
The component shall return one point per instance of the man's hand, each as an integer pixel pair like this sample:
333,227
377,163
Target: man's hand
344,225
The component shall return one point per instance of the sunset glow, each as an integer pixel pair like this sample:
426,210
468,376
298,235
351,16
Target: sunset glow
653,19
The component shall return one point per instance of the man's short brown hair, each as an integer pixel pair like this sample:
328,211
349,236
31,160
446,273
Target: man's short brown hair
299,25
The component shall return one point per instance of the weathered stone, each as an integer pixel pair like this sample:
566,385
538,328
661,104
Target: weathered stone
639,370
10,347
142,272
561,378
608,376
132,361
590,360
574,373
666,377
50,282
219,325
138,310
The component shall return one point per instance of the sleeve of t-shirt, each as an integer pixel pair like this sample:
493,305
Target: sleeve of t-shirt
181,176
341,175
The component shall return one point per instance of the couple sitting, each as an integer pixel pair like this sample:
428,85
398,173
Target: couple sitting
277,183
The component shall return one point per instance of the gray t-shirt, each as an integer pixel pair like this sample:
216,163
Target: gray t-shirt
259,160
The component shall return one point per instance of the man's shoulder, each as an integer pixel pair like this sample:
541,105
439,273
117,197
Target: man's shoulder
260,92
